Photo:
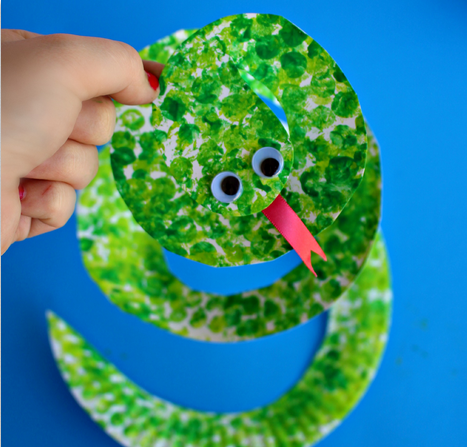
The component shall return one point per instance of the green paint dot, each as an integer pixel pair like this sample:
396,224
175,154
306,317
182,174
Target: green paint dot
267,74
339,75
178,315
292,35
322,117
139,174
294,64
268,47
133,119
315,309
344,137
151,141
314,50
339,170
271,309
310,184
198,319
235,254
203,252
233,317
173,108
217,324
123,139
182,170
123,157
345,104
184,229
206,89
323,86
85,244
293,98
117,418
250,305
188,133
248,328
236,106
162,85
262,242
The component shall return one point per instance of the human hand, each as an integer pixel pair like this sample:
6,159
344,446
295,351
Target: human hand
56,108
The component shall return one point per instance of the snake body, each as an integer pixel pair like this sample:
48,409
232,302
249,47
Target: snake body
333,384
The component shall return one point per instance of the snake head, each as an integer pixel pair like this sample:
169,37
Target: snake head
224,146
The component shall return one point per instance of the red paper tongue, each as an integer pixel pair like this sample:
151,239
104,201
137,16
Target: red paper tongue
294,230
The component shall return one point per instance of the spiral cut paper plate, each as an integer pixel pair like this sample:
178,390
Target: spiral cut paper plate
153,190
333,384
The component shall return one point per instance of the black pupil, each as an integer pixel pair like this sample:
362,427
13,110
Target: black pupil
230,185
269,166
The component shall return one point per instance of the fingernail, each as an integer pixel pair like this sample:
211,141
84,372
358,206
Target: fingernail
153,81
21,192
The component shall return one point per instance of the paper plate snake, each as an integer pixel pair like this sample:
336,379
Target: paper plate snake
207,125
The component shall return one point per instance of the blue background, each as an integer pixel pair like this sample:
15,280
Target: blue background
408,63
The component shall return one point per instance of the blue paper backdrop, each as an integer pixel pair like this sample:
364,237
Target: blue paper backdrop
408,63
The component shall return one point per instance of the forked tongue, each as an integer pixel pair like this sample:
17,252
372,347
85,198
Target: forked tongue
286,221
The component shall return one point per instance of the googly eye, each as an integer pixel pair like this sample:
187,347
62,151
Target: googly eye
226,187
267,162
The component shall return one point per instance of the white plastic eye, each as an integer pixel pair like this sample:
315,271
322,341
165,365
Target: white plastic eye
267,162
226,187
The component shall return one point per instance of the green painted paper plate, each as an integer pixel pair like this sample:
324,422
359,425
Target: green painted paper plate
150,193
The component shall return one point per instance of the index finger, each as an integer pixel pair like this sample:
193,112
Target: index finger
93,67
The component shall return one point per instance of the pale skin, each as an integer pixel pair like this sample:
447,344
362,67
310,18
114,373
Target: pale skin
56,107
